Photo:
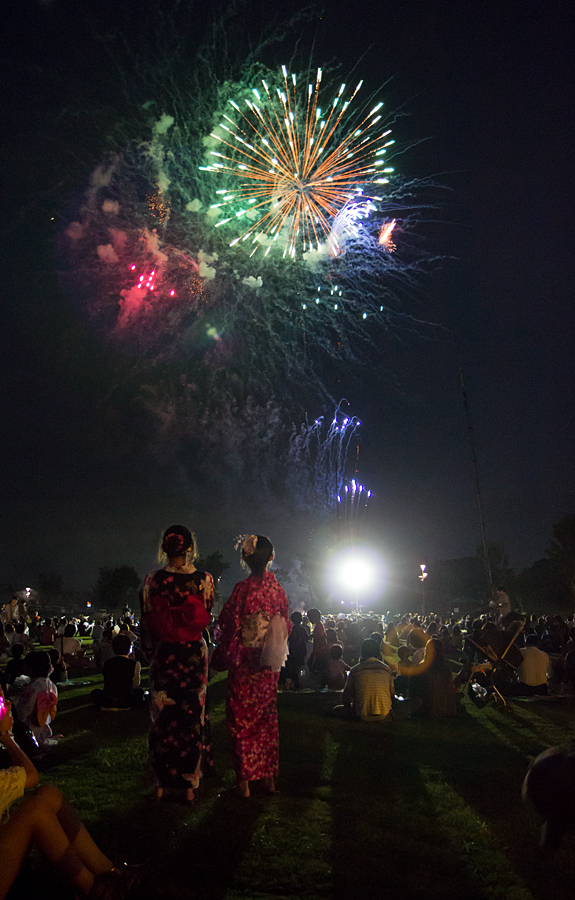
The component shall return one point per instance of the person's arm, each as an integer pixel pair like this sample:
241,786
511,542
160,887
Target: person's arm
348,695
16,754
136,678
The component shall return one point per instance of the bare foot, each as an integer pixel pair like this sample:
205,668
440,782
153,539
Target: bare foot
244,789
159,793
269,785
190,795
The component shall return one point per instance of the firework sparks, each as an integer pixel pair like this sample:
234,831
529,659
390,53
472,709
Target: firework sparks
298,166
385,236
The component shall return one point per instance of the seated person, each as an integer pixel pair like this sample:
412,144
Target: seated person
404,666
45,819
533,670
369,693
121,679
21,636
105,650
47,632
15,666
431,683
336,669
36,697
127,627
59,667
70,647
550,786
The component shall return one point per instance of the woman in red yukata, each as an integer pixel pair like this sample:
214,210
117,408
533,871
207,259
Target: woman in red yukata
253,628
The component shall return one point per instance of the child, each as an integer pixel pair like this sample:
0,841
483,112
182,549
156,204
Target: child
336,669
59,667
37,698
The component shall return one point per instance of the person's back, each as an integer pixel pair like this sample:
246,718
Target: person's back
118,681
433,684
369,686
15,666
121,678
22,638
533,670
336,669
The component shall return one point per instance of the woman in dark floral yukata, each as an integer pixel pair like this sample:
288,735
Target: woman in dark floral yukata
253,630
176,607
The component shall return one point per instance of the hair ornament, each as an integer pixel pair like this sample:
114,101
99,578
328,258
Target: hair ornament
174,541
248,543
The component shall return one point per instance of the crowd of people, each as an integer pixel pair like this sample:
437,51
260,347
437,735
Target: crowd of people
378,668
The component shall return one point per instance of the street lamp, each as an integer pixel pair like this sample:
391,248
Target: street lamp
422,578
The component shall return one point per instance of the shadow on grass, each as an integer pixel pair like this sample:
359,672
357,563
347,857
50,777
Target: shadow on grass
385,821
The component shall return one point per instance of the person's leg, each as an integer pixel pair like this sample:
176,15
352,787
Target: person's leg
97,697
269,784
43,819
137,697
81,841
243,788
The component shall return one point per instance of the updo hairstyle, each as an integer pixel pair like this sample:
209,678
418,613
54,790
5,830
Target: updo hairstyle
259,558
177,540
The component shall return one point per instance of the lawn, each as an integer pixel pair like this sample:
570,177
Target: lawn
415,810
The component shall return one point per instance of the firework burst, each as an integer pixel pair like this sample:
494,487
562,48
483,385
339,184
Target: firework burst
298,166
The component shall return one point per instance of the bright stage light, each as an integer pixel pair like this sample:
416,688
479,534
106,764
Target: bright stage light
358,574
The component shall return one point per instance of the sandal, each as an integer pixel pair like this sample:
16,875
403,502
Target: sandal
115,884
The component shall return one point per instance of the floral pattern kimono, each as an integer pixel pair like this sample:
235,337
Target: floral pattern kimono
36,704
251,710
176,607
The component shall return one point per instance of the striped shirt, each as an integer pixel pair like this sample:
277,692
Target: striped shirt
369,688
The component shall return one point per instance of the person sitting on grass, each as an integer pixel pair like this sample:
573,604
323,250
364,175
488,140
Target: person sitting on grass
550,787
121,679
46,820
59,667
105,650
70,647
404,667
431,683
22,637
336,669
36,699
534,669
15,666
47,632
369,692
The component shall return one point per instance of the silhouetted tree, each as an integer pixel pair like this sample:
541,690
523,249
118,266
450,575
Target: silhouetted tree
116,587
214,563
50,585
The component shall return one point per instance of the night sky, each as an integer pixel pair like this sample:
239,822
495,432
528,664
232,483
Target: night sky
484,93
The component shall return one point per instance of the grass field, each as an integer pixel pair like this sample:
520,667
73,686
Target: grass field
417,809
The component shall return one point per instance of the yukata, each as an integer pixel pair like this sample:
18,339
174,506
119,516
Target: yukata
176,607
251,709
36,702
